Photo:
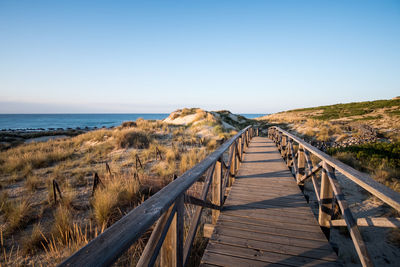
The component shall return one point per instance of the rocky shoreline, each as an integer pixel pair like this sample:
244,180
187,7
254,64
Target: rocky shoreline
13,137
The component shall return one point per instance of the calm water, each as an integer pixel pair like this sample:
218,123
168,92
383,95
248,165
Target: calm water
46,121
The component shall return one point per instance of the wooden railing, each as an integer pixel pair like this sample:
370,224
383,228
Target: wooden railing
166,207
329,193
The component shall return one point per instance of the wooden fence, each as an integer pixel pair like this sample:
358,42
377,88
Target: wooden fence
328,190
166,207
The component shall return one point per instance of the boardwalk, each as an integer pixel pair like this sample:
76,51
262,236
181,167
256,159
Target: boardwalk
266,220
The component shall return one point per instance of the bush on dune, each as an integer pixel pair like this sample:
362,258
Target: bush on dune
132,138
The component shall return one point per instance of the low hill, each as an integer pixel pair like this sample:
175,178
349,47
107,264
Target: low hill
350,123
207,123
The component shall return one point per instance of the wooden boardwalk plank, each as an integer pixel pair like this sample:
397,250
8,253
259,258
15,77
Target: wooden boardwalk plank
265,219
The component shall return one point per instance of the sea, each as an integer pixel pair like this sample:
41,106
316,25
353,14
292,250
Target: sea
39,122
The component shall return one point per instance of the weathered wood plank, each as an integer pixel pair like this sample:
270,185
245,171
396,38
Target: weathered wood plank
288,224
226,260
270,238
267,257
267,229
272,223
277,248
272,214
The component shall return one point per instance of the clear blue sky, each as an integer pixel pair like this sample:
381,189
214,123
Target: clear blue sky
156,56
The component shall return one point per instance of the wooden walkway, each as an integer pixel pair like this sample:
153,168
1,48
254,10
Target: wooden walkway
266,220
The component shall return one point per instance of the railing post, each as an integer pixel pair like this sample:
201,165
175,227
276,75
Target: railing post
232,169
172,248
241,147
300,162
216,190
284,146
326,195
237,160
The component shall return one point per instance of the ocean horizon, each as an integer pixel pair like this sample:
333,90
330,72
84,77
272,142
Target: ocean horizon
75,120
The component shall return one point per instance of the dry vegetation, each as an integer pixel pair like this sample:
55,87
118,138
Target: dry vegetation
336,123
364,135
36,230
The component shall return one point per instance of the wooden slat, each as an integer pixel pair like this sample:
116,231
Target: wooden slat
213,258
270,238
267,257
272,223
267,229
277,248
272,214
254,194
283,207
376,222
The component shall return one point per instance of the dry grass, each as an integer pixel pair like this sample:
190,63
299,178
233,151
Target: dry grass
191,158
32,182
323,134
165,169
104,202
172,154
35,155
35,241
53,234
211,144
62,222
117,192
64,244
100,135
16,214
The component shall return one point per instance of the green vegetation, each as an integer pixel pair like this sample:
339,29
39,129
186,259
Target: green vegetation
394,112
350,109
381,160
373,155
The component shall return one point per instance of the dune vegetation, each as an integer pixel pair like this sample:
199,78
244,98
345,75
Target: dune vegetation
127,164
365,135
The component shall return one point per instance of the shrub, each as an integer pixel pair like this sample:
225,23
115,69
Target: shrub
128,124
132,138
381,160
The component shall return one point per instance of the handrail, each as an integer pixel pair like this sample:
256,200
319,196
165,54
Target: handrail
110,245
330,190
382,192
